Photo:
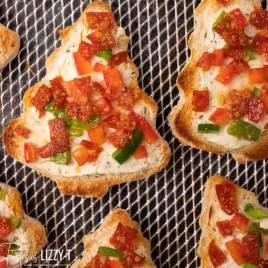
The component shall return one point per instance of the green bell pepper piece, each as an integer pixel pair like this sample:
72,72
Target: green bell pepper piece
218,20
248,265
121,155
111,252
105,54
59,113
250,55
256,92
49,107
255,212
2,196
243,130
254,226
77,123
75,131
62,158
13,249
15,222
208,128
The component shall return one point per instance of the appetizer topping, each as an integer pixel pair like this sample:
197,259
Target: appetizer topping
200,101
117,59
141,152
251,248
2,195
221,117
240,222
260,44
82,66
86,51
111,252
100,21
5,227
236,250
211,59
106,54
217,257
15,222
259,18
59,93
224,2
30,152
102,40
23,131
62,158
4,249
255,212
225,228
208,128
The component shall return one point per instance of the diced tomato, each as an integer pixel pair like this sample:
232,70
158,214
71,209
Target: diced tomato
23,131
251,247
235,53
266,246
260,44
225,228
89,145
100,21
256,110
97,134
149,134
236,251
258,75
99,68
98,261
80,155
45,151
113,80
200,101
102,40
117,59
264,98
226,194
4,249
86,51
224,2
240,222
239,66
226,74
239,18
141,152
30,152
103,106
115,264
221,116
211,59
5,227
259,18
219,53
93,150
3,264
59,92
217,257
82,66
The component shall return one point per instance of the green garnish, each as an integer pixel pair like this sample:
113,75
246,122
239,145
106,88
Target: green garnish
111,252
77,123
250,55
15,222
106,54
59,113
13,249
2,196
256,92
218,20
243,130
49,107
248,265
254,226
255,212
62,158
75,131
208,128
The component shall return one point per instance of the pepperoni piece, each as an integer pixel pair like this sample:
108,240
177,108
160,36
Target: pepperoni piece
235,53
81,111
98,261
259,44
59,137
5,227
128,98
23,131
102,40
120,121
41,98
132,259
45,151
217,257
259,18
200,101
100,21
117,59
256,110
251,248
206,61
240,222
124,238
58,92
224,2
119,138
226,194
225,228
86,50
4,249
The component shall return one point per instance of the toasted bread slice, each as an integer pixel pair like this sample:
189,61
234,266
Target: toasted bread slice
212,213
9,46
183,120
89,179
27,233
100,238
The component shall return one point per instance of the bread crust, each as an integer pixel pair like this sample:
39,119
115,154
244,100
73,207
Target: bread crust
34,230
91,185
181,116
9,46
116,216
210,201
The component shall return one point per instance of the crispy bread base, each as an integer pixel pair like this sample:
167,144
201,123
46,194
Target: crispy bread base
116,216
9,46
91,185
35,232
181,116
209,211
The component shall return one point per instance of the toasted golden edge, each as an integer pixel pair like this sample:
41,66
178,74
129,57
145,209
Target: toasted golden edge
9,45
117,216
36,235
90,186
207,212
180,117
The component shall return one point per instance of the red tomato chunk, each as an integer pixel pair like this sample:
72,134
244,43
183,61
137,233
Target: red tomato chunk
200,101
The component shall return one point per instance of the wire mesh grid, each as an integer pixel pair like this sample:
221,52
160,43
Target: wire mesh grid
167,205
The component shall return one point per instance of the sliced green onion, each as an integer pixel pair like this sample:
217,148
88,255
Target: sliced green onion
111,252
250,55
256,92
248,265
59,113
75,131
15,222
49,107
243,130
62,158
254,226
121,155
77,123
13,249
255,212
218,20
105,54
2,196
208,128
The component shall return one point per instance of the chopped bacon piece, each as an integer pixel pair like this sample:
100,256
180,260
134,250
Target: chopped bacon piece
251,248
102,40
124,238
224,2
235,53
231,33
128,98
239,18
239,222
132,259
23,131
5,227
236,250
239,66
105,92
45,151
200,101
238,102
260,44
119,138
259,18
100,21
225,228
221,116
59,137
103,106
226,194
206,61
256,110
98,261
58,92
30,152
217,257
117,59
113,80
4,249
80,111
41,98
120,121
86,50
